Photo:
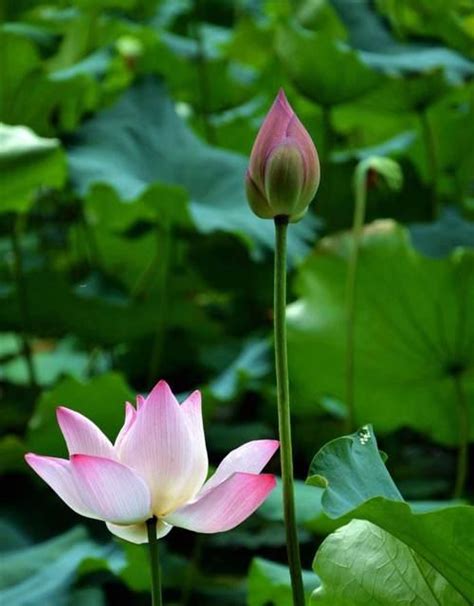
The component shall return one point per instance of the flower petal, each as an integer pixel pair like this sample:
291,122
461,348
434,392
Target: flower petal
82,436
249,458
114,492
272,132
57,474
137,533
300,135
192,409
130,415
165,446
225,506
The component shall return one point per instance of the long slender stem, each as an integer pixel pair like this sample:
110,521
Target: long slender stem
357,225
22,301
203,82
283,390
156,598
463,417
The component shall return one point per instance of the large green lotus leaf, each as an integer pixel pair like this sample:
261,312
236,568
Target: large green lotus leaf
362,564
358,485
441,237
141,140
414,332
381,50
27,162
325,70
269,583
101,399
44,573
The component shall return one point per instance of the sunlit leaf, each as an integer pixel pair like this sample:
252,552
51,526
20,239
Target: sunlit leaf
414,332
358,486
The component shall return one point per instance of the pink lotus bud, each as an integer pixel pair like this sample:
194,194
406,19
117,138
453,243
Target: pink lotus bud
157,467
283,173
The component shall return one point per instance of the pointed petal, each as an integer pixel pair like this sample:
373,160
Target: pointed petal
192,409
140,401
249,458
57,474
167,449
256,199
114,492
298,133
130,415
82,436
271,133
137,533
225,506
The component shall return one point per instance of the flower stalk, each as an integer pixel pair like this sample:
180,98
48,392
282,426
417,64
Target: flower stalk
375,167
156,596
284,423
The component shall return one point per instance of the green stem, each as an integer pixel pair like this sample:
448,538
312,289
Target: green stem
203,81
22,300
463,416
156,598
357,225
284,423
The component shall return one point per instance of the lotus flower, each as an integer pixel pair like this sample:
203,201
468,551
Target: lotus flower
283,173
157,467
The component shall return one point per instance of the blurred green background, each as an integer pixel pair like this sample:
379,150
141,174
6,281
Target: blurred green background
128,254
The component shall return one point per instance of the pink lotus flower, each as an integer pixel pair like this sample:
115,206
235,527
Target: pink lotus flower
283,174
157,467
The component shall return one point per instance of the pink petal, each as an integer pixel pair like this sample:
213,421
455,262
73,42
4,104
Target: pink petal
57,474
272,132
137,533
140,401
82,436
165,445
192,409
225,506
249,458
130,415
114,492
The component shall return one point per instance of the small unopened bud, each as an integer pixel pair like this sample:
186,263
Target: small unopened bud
283,173
130,49
369,170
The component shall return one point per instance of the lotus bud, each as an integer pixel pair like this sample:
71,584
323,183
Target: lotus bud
283,173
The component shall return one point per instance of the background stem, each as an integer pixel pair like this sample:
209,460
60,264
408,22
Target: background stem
203,80
156,598
22,300
357,225
463,416
283,390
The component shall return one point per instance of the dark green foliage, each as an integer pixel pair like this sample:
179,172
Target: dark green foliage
128,254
